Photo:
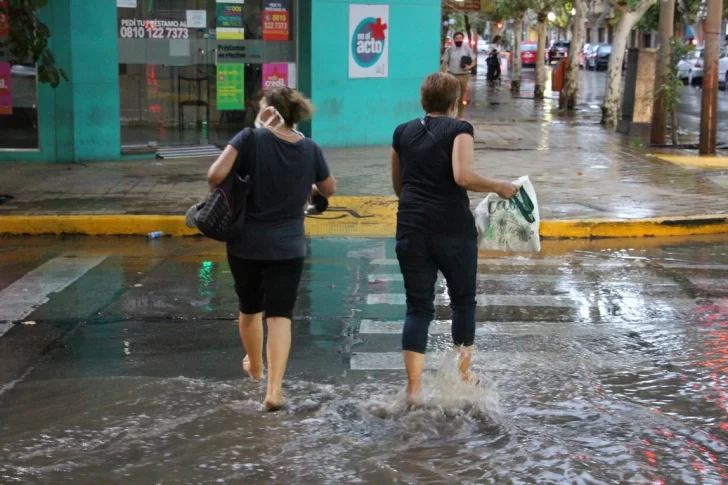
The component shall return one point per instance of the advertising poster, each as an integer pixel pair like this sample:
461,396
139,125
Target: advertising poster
368,41
230,87
6,92
197,19
4,20
230,20
276,20
275,75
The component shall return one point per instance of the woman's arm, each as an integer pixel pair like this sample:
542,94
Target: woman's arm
222,166
396,173
467,178
326,187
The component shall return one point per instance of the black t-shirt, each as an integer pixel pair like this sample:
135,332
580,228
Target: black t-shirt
282,174
431,202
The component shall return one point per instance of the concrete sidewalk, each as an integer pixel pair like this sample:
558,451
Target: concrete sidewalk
580,171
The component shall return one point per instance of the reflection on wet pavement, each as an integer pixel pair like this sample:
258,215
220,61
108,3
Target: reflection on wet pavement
602,362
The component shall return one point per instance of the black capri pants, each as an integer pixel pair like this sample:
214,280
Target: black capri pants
266,286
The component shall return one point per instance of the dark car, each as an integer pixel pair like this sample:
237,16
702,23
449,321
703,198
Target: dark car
558,51
599,57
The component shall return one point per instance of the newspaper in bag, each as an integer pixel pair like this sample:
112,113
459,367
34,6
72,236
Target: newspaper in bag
510,225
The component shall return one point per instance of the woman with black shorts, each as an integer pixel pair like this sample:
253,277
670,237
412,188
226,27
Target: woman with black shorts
432,171
267,259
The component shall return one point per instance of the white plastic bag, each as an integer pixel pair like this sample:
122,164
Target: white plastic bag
503,226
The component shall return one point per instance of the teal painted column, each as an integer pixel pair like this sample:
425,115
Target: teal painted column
86,124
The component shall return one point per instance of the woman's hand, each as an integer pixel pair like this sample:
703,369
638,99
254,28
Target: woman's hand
506,190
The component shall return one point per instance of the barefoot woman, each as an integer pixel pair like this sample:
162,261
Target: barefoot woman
267,259
432,170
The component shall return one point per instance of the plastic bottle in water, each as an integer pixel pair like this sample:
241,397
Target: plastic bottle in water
155,235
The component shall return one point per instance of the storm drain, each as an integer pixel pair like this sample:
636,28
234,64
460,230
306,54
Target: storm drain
5,198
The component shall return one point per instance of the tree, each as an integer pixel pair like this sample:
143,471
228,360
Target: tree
629,12
542,9
568,96
514,10
29,37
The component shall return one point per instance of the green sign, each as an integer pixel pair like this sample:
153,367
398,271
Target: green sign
230,87
230,20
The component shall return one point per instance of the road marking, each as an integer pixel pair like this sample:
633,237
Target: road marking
25,295
529,262
482,300
706,267
655,281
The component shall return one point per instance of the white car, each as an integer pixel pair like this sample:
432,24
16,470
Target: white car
690,69
723,69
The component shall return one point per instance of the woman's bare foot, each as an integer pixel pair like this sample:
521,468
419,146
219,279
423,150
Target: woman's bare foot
273,400
255,374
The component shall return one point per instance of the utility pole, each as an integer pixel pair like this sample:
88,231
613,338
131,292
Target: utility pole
659,107
709,113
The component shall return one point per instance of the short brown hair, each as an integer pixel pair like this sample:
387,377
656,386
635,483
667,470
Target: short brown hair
439,92
291,104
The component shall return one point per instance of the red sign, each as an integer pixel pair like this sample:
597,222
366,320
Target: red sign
276,25
4,19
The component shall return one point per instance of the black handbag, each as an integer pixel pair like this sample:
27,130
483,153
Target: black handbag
222,214
465,61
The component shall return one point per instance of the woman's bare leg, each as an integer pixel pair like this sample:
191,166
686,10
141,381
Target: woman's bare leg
279,346
251,334
415,364
465,356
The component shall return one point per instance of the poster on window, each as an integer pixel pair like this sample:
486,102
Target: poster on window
4,20
230,20
368,41
230,87
276,20
6,91
275,75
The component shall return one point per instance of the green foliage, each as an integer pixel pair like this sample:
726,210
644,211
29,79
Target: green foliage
672,89
651,20
29,40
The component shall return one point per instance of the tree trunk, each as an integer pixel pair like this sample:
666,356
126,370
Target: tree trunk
568,97
516,57
612,108
674,126
538,92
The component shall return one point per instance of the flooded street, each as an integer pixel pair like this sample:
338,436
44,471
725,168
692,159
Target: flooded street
601,362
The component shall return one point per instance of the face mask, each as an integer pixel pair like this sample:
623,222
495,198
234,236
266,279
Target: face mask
458,43
259,123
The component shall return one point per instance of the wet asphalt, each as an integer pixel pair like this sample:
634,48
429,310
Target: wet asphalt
602,362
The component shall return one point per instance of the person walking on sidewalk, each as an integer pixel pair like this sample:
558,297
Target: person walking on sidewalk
459,61
432,170
266,260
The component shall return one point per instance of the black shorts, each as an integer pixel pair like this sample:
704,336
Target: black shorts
266,286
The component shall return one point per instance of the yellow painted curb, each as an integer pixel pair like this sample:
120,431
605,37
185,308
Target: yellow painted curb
695,160
357,217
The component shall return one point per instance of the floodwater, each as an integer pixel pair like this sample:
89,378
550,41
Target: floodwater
612,370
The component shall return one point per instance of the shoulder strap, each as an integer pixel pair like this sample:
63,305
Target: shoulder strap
432,137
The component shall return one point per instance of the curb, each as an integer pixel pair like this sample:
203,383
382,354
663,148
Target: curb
376,226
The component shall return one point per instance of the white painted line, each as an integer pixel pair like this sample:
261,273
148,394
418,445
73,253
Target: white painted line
499,360
654,281
531,262
704,267
442,327
482,300
25,295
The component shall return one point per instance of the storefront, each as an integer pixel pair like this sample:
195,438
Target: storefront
147,74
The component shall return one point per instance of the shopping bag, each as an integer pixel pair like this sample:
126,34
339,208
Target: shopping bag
510,225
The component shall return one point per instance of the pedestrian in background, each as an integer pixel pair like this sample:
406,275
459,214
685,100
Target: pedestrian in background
432,170
266,260
459,61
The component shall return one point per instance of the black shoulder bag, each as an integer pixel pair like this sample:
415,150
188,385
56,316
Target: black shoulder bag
222,214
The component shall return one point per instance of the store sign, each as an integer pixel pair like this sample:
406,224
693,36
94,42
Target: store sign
231,53
6,92
276,20
153,29
230,20
275,75
4,19
368,41
230,87
196,19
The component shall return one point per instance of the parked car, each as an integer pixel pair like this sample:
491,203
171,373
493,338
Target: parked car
582,55
696,60
723,69
558,51
529,51
599,57
590,57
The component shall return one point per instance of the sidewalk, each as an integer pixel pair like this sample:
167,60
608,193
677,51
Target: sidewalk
581,173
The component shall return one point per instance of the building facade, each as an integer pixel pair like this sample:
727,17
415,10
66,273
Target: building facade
146,74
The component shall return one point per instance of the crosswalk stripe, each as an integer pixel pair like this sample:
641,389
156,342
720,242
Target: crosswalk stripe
482,300
528,262
372,361
706,267
653,281
25,295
